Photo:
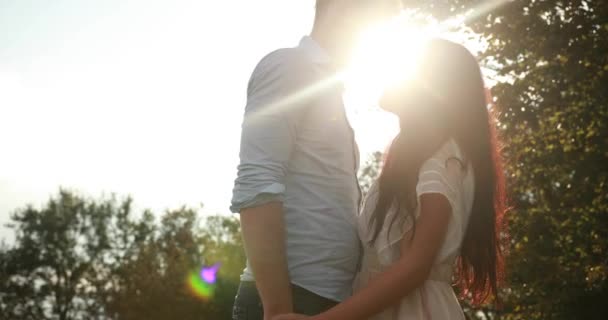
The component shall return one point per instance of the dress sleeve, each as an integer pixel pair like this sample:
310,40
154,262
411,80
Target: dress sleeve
441,175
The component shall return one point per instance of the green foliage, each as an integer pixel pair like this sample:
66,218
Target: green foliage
152,284
222,243
554,120
62,255
77,258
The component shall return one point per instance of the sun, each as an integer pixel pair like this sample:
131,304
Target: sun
385,55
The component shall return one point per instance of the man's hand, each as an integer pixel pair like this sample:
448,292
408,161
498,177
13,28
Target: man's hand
291,316
264,236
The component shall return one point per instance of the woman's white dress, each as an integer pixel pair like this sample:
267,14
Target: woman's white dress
435,300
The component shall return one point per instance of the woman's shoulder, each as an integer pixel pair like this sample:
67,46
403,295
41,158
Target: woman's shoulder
449,157
450,150
446,172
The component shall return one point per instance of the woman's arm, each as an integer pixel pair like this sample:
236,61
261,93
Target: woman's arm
408,273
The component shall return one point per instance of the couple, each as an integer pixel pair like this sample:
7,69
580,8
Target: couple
431,220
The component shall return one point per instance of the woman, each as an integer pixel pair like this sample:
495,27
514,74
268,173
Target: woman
435,214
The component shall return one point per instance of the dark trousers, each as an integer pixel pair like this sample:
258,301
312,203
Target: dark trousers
248,305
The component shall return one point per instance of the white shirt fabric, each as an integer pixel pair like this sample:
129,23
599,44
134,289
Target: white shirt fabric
443,173
298,148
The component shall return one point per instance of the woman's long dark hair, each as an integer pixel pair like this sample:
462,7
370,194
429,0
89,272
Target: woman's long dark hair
447,99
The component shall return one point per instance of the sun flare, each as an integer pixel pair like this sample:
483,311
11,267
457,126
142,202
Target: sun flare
386,54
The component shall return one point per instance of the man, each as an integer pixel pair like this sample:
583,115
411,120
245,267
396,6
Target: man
296,190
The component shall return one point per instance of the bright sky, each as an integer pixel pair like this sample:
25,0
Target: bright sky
137,97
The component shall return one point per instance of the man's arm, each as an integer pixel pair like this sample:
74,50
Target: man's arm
264,236
267,140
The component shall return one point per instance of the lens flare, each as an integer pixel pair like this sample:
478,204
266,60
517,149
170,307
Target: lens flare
209,275
202,283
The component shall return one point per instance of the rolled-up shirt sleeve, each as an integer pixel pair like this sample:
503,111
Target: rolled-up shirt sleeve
269,130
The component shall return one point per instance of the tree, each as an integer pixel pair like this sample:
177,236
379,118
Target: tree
12,292
223,244
79,258
553,114
63,256
153,285
554,117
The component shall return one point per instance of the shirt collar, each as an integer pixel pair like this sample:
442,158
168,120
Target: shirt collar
314,50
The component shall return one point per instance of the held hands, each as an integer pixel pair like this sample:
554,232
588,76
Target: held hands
291,316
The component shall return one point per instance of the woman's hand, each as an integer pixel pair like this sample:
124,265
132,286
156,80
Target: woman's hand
291,316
